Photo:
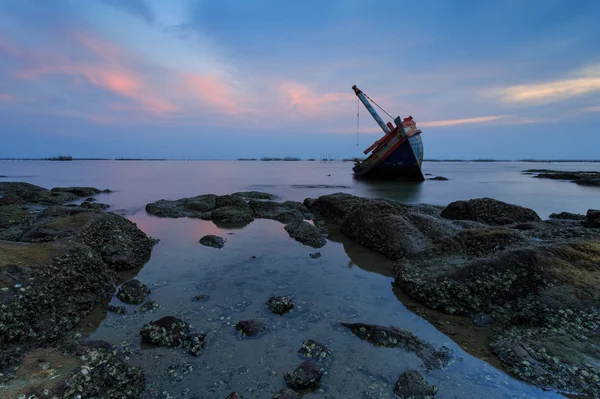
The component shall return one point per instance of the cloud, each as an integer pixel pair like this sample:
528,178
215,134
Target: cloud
212,92
299,97
455,122
7,97
592,109
583,81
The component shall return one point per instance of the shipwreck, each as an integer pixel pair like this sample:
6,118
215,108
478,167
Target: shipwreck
397,155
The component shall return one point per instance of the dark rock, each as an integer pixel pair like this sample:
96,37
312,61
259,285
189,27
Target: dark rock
313,349
283,212
194,343
230,201
427,174
482,320
35,194
213,241
201,297
306,234
412,385
96,206
13,215
78,191
280,304
286,393
133,292
489,211
335,207
90,199
394,337
583,178
232,216
116,309
306,376
592,219
567,216
167,209
168,332
192,206
254,195
12,199
441,178
251,328
234,395
149,306
315,255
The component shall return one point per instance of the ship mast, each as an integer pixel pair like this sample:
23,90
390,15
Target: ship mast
371,110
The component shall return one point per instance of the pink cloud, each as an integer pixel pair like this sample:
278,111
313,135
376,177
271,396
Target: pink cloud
455,122
301,98
7,97
211,91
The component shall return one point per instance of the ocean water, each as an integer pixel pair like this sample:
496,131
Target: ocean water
348,283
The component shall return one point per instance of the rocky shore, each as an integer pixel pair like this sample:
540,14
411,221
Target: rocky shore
535,282
57,263
583,178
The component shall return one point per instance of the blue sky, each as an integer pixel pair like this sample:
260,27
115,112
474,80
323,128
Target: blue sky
227,79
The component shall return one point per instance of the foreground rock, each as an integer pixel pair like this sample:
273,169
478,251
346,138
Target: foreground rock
583,178
313,349
133,292
94,370
412,385
251,328
535,282
306,234
306,376
168,332
213,241
592,219
280,304
394,337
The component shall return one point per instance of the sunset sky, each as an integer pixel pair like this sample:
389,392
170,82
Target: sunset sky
226,79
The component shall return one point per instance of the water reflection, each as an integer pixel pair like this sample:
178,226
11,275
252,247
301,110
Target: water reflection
404,191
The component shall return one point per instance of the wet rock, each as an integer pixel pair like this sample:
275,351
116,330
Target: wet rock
489,211
133,292
116,309
149,306
78,191
412,385
254,195
213,241
286,393
592,219
280,304
583,178
335,207
440,178
394,337
230,215
482,320
315,255
251,328
90,199
313,349
306,376
30,193
201,297
234,395
14,215
306,234
283,212
567,216
194,343
192,206
12,199
168,331
95,206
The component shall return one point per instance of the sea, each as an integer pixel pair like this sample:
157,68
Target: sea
347,283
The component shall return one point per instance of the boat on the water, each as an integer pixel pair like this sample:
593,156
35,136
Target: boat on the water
397,155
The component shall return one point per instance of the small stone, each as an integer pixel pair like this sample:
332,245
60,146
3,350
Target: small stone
315,255
251,328
213,241
440,178
412,385
168,331
314,349
286,393
194,343
149,305
133,292
116,309
201,297
280,304
306,375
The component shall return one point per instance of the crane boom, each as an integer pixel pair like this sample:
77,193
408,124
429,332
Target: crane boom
371,110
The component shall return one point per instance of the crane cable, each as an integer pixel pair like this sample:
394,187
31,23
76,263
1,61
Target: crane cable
357,118
388,114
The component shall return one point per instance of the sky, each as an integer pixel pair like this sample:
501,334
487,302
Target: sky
226,79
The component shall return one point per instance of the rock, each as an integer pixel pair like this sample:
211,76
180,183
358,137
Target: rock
305,233
201,297
251,328
306,376
441,178
192,206
489,211
12,199
567,216
584,178
592,219
96,206
194,343
149,306
133,292
482,320
335,207
315,255
254,195
234,395
30,193
394,337
168,332
412,385
116,309
286,393
232,216
280,304
90,199
14,215
213,241
313,349
78,191
283,212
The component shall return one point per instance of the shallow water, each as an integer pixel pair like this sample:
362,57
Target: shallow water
347,284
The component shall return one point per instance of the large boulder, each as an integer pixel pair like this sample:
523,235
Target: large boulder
133,292
306,376
285,212
79,191
489,211
412,385
168,331
305,233
592,219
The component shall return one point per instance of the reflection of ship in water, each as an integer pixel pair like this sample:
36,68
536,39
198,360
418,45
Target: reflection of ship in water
403,191
361,256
